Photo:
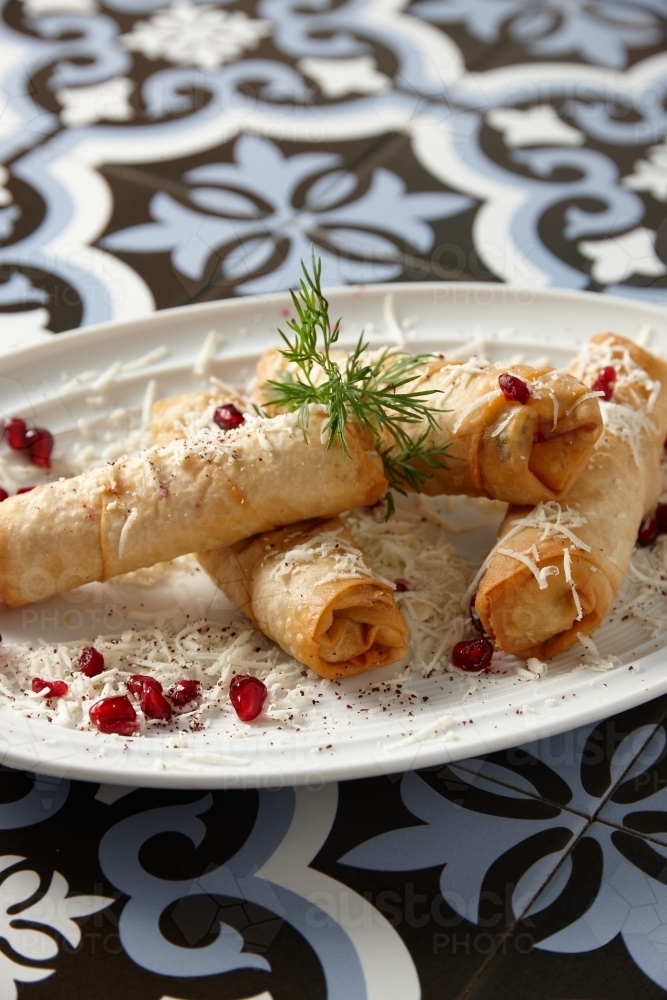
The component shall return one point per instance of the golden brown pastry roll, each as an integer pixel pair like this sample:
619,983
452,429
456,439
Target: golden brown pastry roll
178,416
556,568
211,489
309,588
516,451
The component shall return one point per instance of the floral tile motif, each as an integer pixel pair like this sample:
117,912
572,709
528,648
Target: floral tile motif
243,220
605,34
460,850
638,804
596,929
530,174
585,768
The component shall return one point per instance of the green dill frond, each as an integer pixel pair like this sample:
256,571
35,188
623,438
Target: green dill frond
365,390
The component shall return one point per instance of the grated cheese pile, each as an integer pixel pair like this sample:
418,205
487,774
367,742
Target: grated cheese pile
173,648
348,561
408,547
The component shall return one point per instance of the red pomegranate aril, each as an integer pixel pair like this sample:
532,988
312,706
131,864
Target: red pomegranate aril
661,517
138,684
15,432
55,689
91,661
474,617
247,695
154,705
402,584
472,655
3,494
649,530
115,715
183,692
604,383
514,389
25,489
227,417
39,445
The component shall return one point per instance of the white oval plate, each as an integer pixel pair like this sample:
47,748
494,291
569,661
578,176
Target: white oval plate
501,711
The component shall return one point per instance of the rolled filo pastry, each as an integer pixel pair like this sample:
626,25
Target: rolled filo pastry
309,588
187,413
556,568
518,452
214,488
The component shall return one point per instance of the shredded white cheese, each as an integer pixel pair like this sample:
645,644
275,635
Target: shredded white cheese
122,540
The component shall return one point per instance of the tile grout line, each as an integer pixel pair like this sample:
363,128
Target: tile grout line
482,971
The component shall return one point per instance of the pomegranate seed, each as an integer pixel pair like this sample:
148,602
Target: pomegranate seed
605,382
115,715
39,445
183,692
154,705
91,661
16,430
402,584
3,494
472,655
247,694
25,489
661,515
515,390
138,684
649,530
56,689
476,620
227,417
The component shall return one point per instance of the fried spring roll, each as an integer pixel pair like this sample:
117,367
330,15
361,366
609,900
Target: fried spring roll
189,412
506,450
556,568
309,589
208,490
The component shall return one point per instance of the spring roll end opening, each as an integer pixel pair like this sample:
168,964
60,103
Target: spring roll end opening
517,619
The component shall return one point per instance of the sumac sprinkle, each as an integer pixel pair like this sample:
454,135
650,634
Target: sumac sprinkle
227,417
472,655
514,389
604,383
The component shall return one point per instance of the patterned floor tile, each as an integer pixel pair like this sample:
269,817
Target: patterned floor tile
452,865
639,803
579,770
597,929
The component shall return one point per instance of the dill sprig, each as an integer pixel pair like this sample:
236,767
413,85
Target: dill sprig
363,390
